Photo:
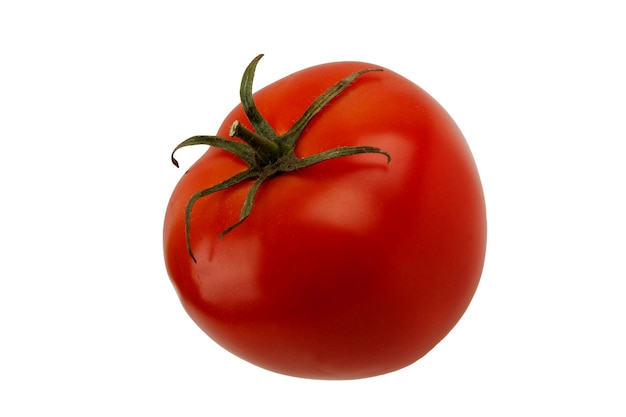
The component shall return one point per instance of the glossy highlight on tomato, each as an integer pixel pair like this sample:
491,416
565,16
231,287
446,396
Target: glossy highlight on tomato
349,267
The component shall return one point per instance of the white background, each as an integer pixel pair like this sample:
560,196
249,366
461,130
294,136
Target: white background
94,96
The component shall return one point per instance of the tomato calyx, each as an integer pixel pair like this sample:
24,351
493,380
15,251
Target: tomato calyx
267,153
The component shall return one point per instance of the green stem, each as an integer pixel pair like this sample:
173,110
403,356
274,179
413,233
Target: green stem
266,149
266,153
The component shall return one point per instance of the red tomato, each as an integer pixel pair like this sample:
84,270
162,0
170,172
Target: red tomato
349,268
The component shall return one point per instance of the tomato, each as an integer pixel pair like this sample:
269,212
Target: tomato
349,267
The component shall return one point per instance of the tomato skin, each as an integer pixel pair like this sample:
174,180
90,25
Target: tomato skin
347,269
